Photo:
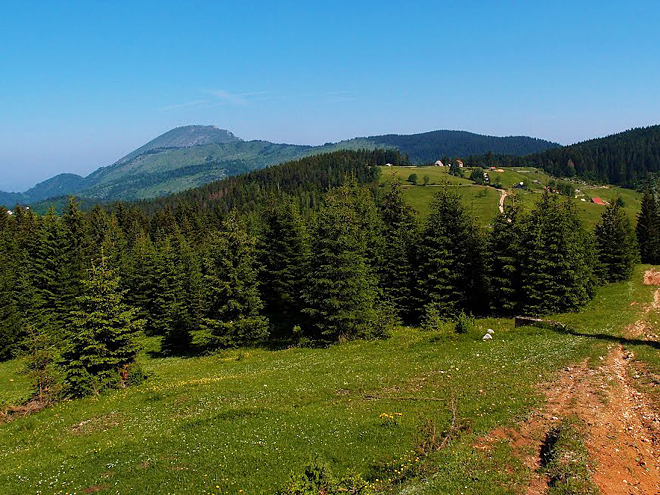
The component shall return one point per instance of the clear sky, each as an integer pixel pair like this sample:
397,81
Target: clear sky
84,83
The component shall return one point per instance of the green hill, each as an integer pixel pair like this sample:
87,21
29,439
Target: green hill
192,156
625,158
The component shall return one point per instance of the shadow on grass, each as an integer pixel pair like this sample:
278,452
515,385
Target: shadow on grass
605,337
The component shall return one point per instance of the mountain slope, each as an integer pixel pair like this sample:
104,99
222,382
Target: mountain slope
184,137
625,158
622,158
431,146
192,156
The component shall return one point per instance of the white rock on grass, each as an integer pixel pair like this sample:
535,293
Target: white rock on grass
491,331
487,337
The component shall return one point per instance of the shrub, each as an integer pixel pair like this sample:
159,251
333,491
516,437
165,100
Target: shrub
317,478
432,320
464,323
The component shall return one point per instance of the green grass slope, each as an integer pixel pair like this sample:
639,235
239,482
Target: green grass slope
242,421
483,200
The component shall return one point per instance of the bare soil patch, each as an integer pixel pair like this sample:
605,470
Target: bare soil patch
623,425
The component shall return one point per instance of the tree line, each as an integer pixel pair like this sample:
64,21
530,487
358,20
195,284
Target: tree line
78,289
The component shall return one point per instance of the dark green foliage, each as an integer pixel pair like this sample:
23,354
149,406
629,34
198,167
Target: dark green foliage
478,175
233,305
396,267
317,479
503,250
101,342
305,180
616,245
455,170
40,365
284,253
412,178
429,146
626,158
464,323
10,320
450,262
557,258
648,229
342,288
562,187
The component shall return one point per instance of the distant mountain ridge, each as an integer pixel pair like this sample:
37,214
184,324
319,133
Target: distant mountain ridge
191,156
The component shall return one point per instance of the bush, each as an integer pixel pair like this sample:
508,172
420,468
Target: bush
464,323
412,178
317,478
432,320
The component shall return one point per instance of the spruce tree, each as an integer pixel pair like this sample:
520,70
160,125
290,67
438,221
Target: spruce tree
232,302
10,320
648,231
341,290
101,345
616,245
396,270
451,273
557,258
503,248
41,365
284,253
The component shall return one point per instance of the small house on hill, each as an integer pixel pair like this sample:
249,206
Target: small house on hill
459,163
439,163
598,201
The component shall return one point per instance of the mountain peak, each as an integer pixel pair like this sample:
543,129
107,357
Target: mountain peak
185,137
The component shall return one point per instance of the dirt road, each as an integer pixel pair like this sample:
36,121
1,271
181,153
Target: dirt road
623,425
503,195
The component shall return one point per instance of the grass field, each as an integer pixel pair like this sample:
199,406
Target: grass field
483,201
243,420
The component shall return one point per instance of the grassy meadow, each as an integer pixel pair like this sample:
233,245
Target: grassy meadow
483,201
242,421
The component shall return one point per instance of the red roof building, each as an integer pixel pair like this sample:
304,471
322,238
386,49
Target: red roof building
598,201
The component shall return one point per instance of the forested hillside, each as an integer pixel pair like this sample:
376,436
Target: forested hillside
431,146
626,158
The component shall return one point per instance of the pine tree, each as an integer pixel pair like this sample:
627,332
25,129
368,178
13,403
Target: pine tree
101,344
557,258
232,303
450,263
10,320
177,303
616,245
342,288
648,231
396,271
503,264
284,252
40,365
140,280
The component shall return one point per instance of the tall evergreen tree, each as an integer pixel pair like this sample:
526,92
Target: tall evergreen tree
342,287
616,245
503,249
557,258
396,268
450,265
232,304
284,252
101,343
648,229
10,320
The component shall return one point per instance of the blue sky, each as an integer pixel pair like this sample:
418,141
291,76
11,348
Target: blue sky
84,83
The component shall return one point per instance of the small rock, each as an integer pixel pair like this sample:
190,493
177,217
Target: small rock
491,331
487,337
